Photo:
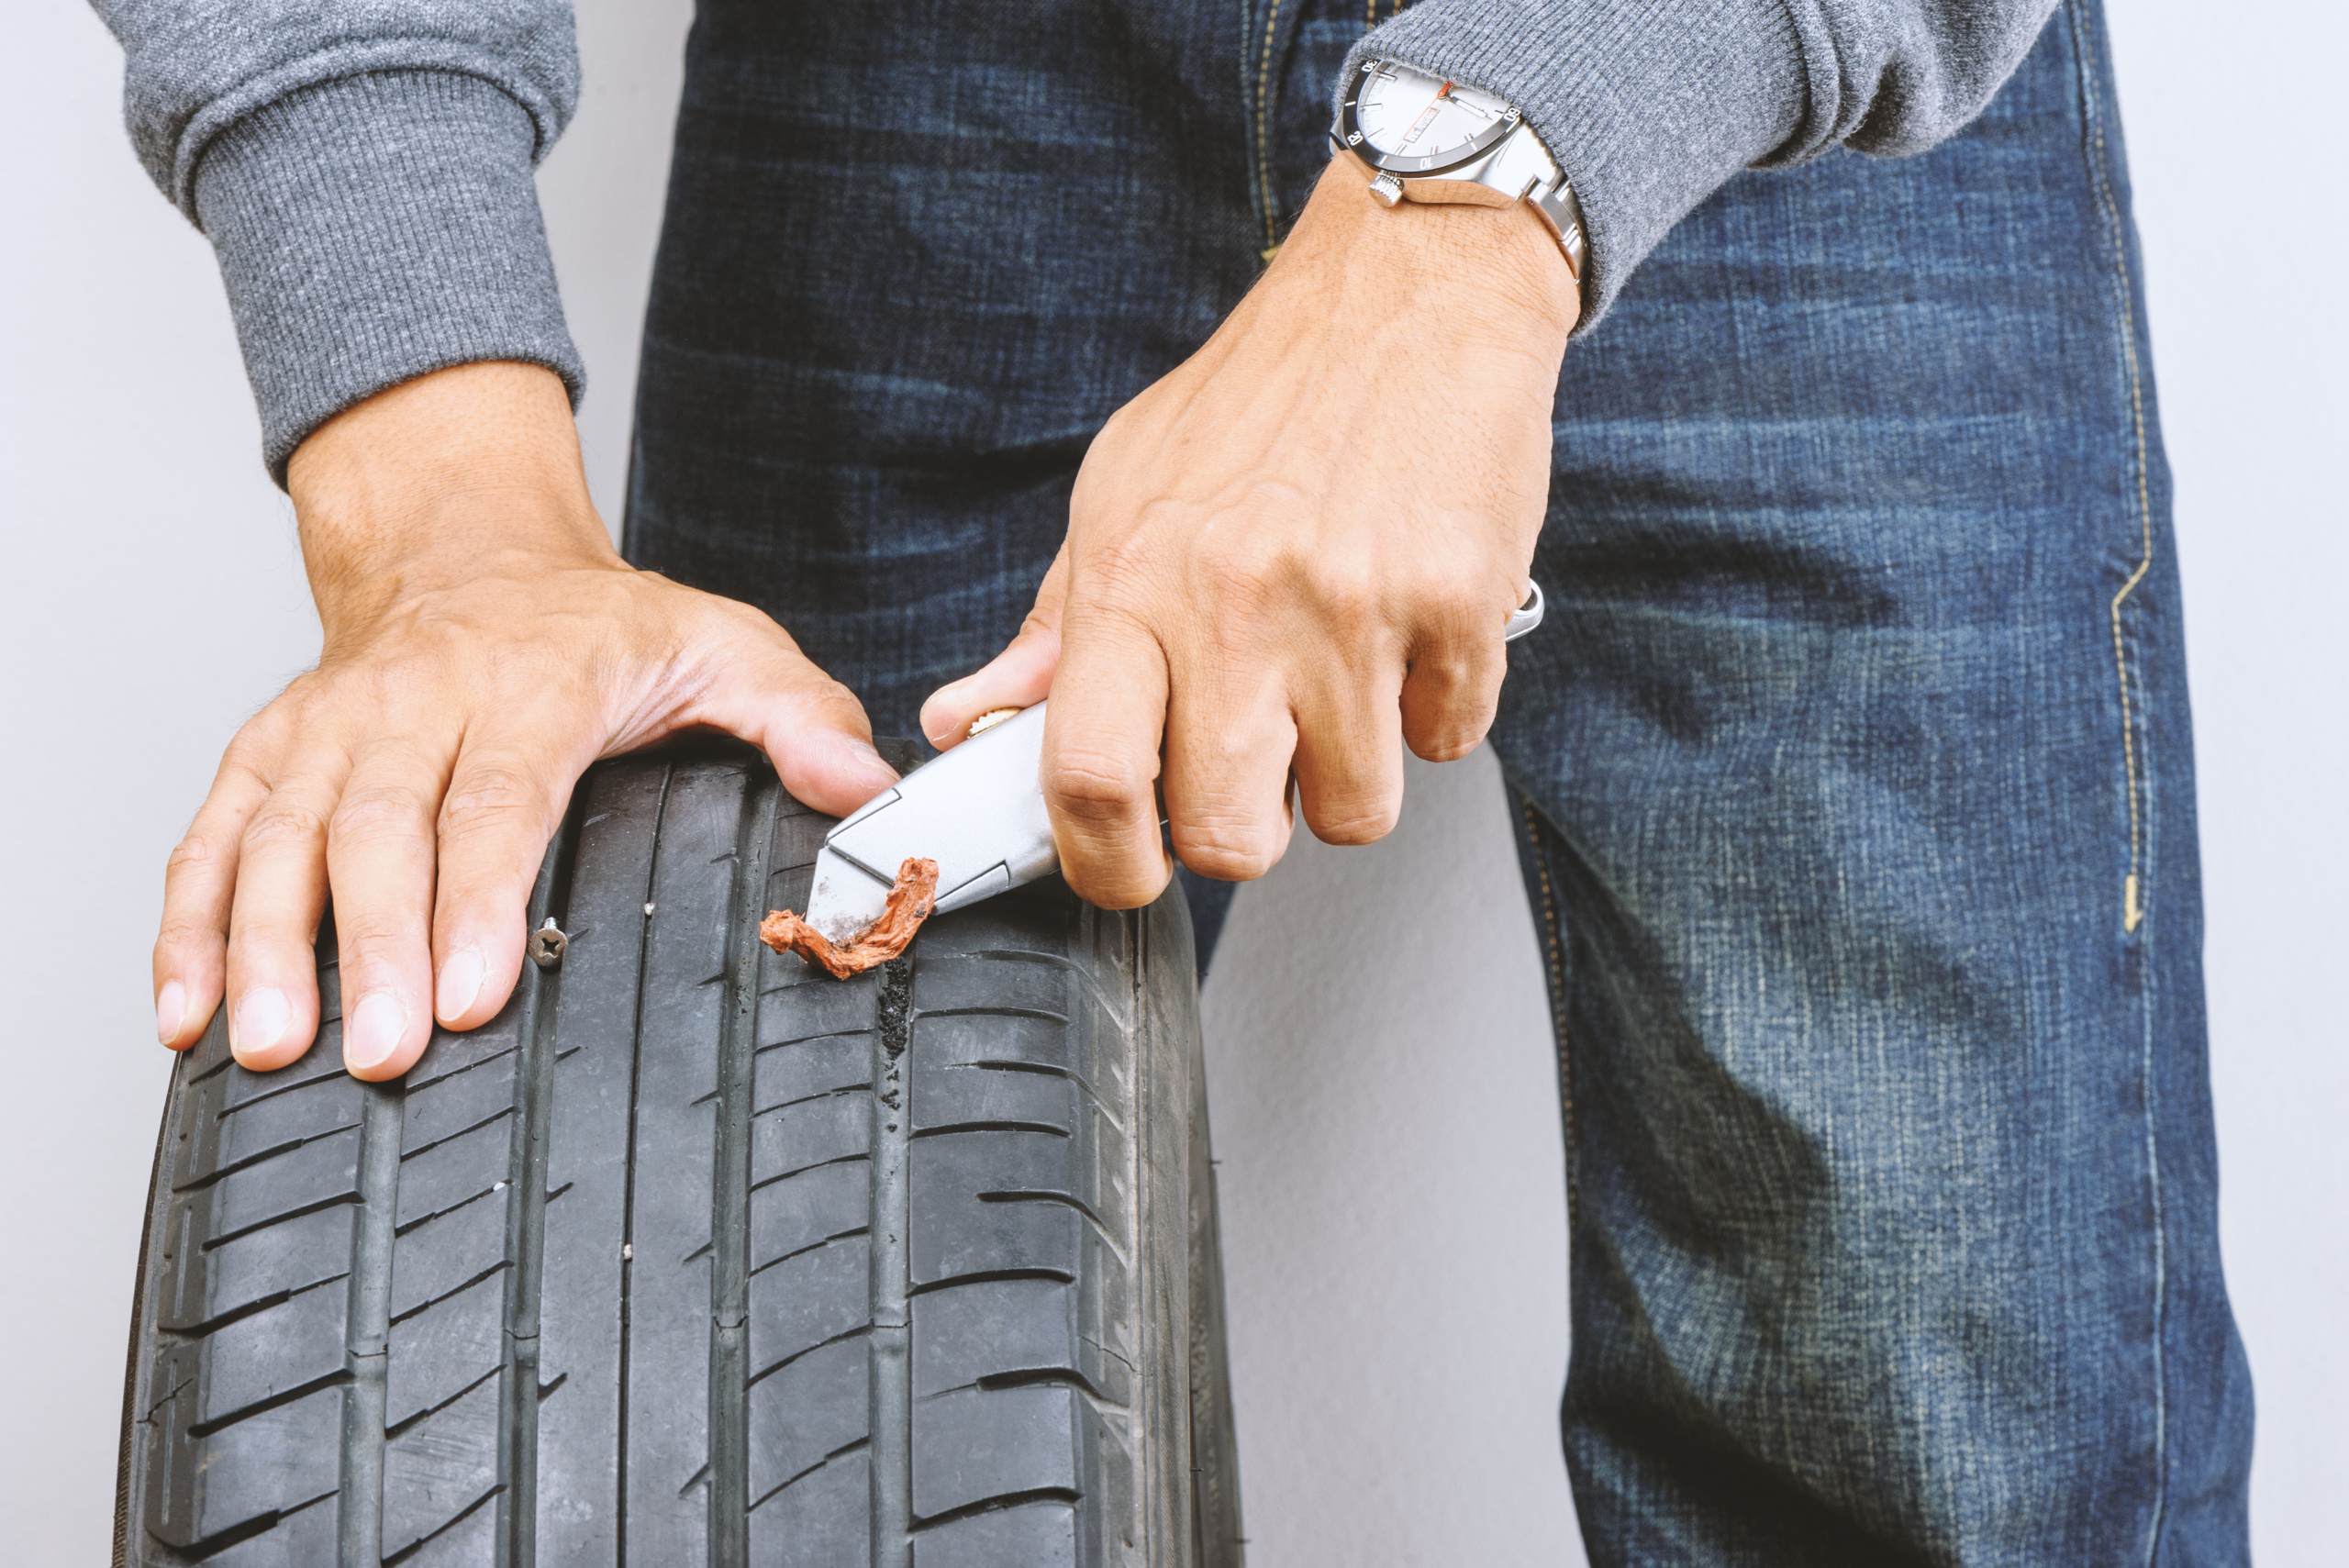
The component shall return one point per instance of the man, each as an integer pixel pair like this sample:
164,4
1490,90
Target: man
1851,771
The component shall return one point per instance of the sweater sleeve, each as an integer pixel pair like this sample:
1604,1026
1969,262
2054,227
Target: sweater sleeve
363,171
1650,106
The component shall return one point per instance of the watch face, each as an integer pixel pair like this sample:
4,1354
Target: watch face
1409,123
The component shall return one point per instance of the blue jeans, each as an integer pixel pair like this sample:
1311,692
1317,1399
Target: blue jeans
1852,771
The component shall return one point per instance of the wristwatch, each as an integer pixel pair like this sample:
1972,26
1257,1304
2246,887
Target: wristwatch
1424,139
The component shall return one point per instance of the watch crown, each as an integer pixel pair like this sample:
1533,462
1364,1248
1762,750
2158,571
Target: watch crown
1387,189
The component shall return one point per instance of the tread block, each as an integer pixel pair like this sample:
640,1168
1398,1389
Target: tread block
1035,1535
437,1468
303,1112
956,1232
808,1208
204,1284
803,1301
323,1060
315,1174
811,1133
447,1346
451,1054
823,1521
460,1098
446,1252
956,980
975,1444
470,1542
1013,1327
450,1172
827,1065
814,1408
804,1010
269,1462
971,1038
297,1341
956,1093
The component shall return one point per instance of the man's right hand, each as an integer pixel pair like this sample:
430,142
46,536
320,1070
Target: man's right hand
483,645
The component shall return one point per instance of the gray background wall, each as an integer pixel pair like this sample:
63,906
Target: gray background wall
1389,1138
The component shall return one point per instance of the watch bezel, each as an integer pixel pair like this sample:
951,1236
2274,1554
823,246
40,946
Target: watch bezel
1350,136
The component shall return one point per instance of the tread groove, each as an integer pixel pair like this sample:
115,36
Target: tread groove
221,1321
490,1120
729,1461
859,1332
784,1485
421,1307
999,1503
515,1529
811,1247
410,1422
335,1379
890,1357
360,1520
628,1186
339,1200
223,1172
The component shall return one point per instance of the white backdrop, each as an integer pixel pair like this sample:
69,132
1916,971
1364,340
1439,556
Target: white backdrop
1391,1189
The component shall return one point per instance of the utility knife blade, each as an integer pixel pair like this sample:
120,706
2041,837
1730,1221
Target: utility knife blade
977,810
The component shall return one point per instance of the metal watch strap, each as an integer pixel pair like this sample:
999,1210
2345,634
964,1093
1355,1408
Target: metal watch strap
1553,197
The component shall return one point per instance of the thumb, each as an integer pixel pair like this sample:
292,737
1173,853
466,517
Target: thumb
810,726
1019,676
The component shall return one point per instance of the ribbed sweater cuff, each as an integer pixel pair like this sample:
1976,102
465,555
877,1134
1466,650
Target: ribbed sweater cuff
1648,105
373,228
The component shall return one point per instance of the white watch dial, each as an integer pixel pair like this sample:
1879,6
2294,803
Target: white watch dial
1410,122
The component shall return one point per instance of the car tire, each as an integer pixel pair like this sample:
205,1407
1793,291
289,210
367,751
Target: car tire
695,1255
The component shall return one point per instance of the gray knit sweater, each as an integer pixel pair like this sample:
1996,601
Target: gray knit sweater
364,166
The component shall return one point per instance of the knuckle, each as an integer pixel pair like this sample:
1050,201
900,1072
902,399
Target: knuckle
197,853
372,813
489,797
1092,787
282,822
178,933
1247,567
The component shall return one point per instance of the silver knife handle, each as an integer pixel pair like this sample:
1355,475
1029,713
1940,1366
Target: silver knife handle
977,810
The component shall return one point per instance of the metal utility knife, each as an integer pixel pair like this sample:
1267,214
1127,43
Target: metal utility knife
977,810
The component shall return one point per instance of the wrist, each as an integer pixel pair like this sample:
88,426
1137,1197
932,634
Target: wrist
1492,272
440,481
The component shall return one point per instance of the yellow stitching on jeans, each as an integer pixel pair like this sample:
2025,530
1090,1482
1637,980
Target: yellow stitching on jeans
2132,908
1265,135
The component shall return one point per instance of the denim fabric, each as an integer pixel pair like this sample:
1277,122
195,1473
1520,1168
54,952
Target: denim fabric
1852,771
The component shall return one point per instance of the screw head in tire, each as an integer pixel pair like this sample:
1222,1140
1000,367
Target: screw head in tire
547,945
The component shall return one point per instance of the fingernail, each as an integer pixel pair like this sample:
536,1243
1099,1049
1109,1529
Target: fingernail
171,1011
372,1031
461,982
259,1021
945,694
868,761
